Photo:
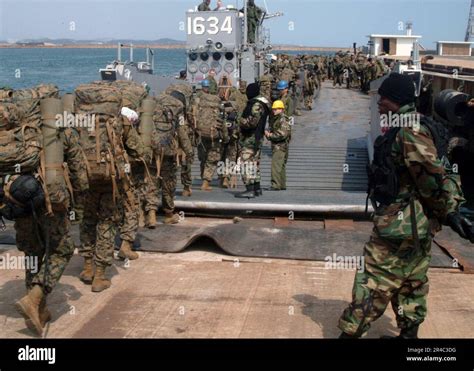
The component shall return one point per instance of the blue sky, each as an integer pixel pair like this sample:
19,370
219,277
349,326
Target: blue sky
316,22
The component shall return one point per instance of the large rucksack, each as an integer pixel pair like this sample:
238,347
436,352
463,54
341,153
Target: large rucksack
383,174
10,115
208,117
28,102
20,150
167,116
101,143
132,93
23,106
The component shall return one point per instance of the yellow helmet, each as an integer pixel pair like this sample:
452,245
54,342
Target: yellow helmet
278,104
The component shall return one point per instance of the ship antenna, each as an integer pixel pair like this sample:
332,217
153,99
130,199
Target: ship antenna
266,6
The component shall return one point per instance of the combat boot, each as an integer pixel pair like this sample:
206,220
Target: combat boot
44,313
225,183
100,283
150,219
409,333
345,335
171,218
205,186
249,193
258,190
406,333
126,251
28,307
87,274
187,192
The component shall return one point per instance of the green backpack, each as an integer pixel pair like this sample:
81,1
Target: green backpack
209,122
166,118
20,150
101,102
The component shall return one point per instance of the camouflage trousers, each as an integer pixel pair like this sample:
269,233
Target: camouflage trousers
280,154
338,79
250,152
393,273
308,99
229,158
146,199
54,230
167,183
99,226
209,154
186,174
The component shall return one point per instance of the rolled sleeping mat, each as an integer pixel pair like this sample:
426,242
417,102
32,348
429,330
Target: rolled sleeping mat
146,121
54,176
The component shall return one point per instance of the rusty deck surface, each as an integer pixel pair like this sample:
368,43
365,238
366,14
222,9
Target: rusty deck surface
202,293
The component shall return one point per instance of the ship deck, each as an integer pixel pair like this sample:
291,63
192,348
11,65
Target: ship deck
325,170
238,277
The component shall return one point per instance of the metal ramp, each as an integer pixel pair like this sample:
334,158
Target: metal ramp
326,170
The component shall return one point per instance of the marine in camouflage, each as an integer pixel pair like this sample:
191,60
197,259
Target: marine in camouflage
396,264
280,136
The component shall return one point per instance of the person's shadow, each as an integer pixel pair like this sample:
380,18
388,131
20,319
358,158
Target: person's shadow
58,301
325,313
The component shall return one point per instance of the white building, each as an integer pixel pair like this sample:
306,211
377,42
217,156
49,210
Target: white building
393,45
454,48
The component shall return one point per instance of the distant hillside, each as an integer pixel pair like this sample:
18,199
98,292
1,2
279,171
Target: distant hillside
163,41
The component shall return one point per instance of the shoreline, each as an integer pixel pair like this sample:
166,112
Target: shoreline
163,47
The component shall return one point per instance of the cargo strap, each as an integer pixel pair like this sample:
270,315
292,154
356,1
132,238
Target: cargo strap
414,225
97,140
148,175
65,170
42,174
159,161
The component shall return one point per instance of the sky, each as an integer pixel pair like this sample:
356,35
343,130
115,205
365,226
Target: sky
336,23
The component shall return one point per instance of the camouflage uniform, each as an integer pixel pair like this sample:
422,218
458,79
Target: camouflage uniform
308,90
231,149
204,7
209,150
146,199
102,214
187,136
266,86
289,104
280,136
213,88
338,71
209,154
254,15
395,271
55,227
186,166
181,143
99,226
250,145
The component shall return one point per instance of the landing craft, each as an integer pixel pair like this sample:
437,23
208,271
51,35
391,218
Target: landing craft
215,40
219,41
139,72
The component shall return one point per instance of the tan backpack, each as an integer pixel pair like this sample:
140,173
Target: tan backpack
167,116
101,141
208,116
